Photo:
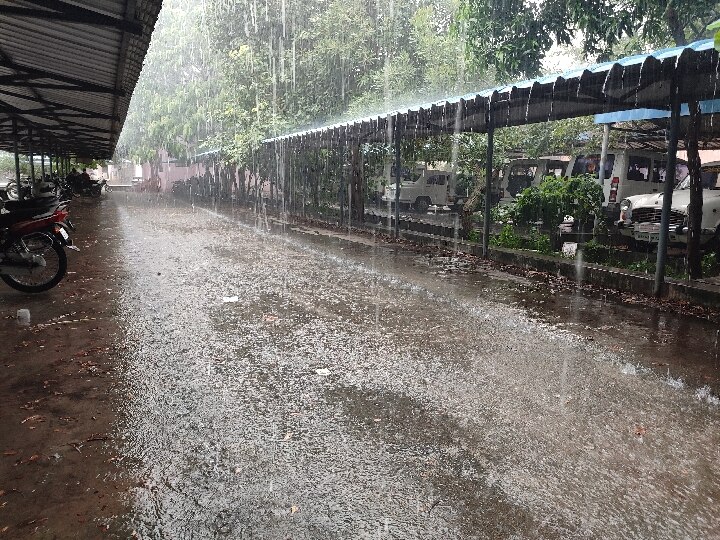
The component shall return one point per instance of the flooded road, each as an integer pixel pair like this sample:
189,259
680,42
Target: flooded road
291,384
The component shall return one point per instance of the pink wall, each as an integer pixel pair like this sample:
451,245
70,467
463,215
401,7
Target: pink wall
171,173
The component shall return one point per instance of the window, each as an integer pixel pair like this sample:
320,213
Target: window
659,172
440,180
591,165
638,169
709,178
520,177
554,168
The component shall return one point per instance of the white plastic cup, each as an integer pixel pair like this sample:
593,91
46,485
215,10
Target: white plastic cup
23,316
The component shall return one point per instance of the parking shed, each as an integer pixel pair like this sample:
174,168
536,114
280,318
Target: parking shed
67,72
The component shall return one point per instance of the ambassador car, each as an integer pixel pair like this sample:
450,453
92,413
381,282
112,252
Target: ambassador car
640,214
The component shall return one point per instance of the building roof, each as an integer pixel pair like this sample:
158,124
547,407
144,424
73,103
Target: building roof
68,70
636,81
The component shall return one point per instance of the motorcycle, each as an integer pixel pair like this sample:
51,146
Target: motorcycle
33,238
11,189
94,189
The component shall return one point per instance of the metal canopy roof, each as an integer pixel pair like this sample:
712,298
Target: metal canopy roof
647,129
68,70
637,81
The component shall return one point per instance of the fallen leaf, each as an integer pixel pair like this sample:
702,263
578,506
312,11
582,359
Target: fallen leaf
288,436
640,430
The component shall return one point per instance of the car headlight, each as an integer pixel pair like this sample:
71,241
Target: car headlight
625,210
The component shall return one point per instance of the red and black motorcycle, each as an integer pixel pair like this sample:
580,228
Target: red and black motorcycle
33,238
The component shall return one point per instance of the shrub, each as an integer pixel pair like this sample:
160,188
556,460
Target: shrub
541,242
507,238
710,265
503,214
595,252
579,196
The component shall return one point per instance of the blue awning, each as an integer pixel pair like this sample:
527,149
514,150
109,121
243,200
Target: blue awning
706,107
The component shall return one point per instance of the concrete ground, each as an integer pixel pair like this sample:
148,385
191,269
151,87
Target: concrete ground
223,380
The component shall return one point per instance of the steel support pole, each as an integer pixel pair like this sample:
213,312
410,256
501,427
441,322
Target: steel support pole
17,155
398,176
668,191
31,157
488,182
604,153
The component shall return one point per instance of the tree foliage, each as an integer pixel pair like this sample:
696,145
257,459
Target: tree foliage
514,36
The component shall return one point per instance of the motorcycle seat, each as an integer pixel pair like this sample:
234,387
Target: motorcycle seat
34,204
13,217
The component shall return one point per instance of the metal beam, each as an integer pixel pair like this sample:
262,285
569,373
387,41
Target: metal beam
58,105
41,74
51,86
70,13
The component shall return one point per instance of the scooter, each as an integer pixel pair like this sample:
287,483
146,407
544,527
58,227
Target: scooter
33,238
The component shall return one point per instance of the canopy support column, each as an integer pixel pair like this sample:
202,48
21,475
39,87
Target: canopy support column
31,157
668,191
488,181
398,176
17,155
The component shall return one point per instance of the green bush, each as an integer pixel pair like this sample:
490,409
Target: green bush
503,214
595,252
474,235
540,242
646,266
710,265
579,196
507,238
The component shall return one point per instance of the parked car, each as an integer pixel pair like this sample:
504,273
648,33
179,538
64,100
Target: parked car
627,173
425,185
640,214
523,173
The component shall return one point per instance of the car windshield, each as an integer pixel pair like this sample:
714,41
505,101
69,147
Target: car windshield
709,181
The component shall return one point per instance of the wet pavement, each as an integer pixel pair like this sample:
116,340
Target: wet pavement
293,384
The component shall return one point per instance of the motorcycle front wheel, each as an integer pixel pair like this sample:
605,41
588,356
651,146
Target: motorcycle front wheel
11,191
46,277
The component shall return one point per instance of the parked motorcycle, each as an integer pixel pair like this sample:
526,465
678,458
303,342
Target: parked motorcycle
11,188
93,190
33,237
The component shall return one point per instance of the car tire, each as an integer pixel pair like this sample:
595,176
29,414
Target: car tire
421,205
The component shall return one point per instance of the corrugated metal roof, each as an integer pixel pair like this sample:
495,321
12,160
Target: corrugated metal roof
68,70
636,81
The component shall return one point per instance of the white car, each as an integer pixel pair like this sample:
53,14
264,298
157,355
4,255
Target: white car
640,214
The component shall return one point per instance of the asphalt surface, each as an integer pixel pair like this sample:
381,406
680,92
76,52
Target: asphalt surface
293,384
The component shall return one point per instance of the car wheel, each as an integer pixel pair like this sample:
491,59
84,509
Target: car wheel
421,205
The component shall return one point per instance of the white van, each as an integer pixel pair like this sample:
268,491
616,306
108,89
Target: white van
424,185
627,173
523,173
